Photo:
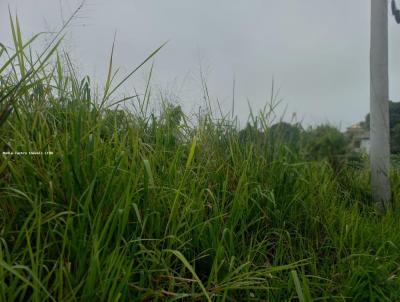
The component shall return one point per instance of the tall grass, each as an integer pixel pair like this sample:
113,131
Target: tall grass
139,206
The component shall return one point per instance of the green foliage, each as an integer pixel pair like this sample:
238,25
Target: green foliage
395,139
394,122
394,114
139,206
328,143
285,133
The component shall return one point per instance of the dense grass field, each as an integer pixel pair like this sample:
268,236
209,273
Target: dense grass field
142,205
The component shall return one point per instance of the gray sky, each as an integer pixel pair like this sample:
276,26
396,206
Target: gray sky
317,51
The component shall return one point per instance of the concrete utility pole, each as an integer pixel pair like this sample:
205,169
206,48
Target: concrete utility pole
379,105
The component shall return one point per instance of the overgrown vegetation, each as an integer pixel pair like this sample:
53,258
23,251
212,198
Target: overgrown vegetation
394,115
139,206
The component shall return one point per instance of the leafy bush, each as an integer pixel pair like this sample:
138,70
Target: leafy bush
327,143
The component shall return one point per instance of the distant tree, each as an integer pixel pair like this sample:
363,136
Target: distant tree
394,116
326,142
394,120
395,139
171,116
114,121
287,134
285,131
170,121
252,134
366,122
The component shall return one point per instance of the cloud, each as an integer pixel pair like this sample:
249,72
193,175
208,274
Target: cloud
317,50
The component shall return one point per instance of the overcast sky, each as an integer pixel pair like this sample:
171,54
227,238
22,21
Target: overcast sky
317,51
